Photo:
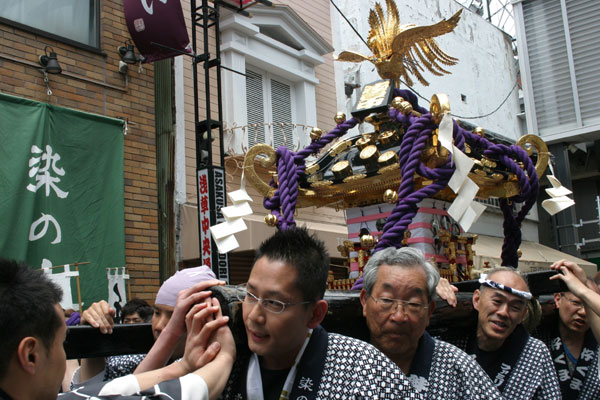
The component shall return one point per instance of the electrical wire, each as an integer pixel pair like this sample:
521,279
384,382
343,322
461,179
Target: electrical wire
351,26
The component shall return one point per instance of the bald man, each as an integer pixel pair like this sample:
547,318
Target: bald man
519,365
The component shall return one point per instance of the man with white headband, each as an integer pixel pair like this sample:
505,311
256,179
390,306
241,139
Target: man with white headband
519,365
166,307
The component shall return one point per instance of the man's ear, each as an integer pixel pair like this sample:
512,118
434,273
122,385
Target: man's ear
318,314
557,300
28,354
363,300
476,298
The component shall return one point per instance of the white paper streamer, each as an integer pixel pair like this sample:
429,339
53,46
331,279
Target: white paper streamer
224,232
558,200
463,209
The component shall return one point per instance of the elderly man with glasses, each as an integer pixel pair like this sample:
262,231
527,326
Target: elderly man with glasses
397,301
291,355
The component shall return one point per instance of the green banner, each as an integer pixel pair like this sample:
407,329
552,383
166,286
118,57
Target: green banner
61,190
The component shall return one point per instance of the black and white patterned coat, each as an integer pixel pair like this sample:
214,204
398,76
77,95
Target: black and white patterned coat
353,370
590,390
533,376
454,375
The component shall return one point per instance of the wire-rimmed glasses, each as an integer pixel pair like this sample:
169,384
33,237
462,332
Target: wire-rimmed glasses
271,305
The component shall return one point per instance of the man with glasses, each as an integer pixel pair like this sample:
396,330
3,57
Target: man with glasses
397,301
291,356
573,347
519,365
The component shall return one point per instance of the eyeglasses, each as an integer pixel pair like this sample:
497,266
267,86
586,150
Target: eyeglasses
271,305
575,303
391,305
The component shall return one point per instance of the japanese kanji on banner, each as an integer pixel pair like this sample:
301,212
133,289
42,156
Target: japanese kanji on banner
61,190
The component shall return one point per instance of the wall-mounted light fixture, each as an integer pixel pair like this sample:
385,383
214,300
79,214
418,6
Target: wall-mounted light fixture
49,61
127,53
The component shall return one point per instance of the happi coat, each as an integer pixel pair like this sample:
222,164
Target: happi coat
440,370
583,383
521,369
335,367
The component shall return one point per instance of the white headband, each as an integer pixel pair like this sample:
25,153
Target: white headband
496,285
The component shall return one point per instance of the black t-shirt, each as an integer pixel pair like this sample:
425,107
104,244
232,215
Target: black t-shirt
272,382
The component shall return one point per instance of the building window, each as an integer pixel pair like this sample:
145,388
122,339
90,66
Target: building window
71,21
269,108
274,100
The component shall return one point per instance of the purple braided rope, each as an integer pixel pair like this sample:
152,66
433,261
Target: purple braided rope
529,182
290,166
411,98
317,145
288,187
406,208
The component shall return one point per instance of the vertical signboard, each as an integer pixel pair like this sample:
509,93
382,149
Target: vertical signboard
211,198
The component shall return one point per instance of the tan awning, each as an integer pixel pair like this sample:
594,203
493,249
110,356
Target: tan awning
330,234
535,256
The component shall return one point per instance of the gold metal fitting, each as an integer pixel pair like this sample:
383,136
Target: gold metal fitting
486,162
397,101
340,147
388,158
440,105
311,168
390,196
364,141
339,117
388,137
519,253
354,178
496,177
342,169
367,241
271,219
315,134
405,107
479,131
321,184
369,155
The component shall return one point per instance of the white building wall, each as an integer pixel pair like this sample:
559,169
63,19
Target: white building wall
485,74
